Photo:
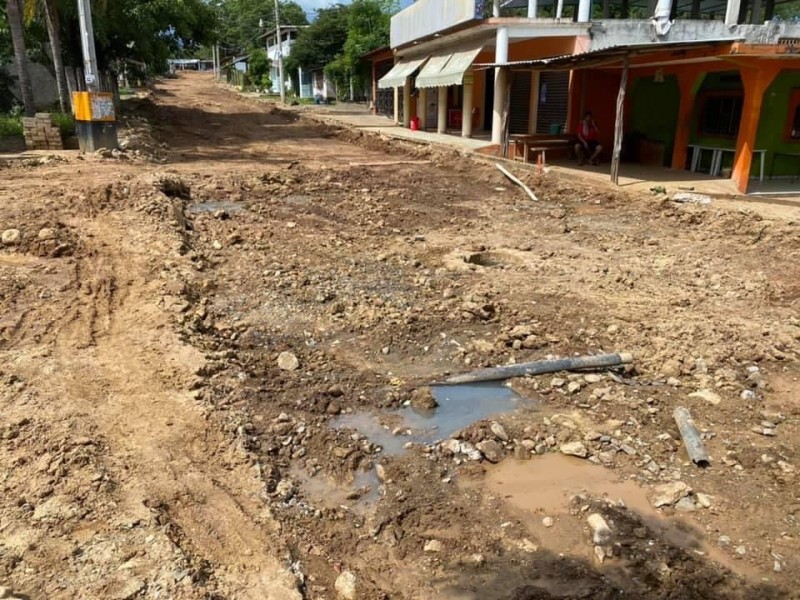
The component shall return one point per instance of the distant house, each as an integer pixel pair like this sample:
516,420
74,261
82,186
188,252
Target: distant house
190,64
279,43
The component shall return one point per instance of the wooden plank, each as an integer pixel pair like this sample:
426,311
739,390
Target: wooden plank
618,123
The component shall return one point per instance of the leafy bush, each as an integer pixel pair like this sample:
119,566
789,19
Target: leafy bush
10,125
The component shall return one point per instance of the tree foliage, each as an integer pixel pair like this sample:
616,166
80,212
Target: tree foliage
242,21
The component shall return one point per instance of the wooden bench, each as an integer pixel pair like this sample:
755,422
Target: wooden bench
524,145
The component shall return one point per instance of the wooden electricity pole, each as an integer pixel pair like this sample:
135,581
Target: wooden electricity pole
281,85
615,157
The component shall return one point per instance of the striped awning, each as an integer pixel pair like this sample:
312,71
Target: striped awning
453,71
401,71
432,70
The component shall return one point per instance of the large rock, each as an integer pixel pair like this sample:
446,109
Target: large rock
288,361
345,585
706,395
491,450
574,449
601,532
668,494
11,237
423,399
498,431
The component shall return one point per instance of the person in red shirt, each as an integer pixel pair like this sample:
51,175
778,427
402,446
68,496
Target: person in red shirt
588,144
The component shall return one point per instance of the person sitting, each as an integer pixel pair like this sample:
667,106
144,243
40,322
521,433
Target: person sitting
588,144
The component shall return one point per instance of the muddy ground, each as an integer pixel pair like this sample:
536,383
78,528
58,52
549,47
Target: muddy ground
209,340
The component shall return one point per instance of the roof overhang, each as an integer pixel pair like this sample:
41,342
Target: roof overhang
616,54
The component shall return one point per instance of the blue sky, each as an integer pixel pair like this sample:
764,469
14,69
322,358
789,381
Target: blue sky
312,5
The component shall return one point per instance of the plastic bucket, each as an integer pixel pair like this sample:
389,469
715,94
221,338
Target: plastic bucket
414,123
555,128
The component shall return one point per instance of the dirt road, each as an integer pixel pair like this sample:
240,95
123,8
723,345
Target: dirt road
207,342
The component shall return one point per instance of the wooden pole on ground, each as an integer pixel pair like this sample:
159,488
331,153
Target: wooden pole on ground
618,123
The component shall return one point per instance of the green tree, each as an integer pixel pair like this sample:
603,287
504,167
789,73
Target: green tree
14,17
322,42
47,10
258,69
368,29
241,22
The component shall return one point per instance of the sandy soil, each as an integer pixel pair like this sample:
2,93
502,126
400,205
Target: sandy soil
207,341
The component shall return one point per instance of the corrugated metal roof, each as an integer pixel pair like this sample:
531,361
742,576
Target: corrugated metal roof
603,55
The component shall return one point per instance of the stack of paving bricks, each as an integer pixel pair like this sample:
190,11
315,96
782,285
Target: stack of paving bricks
41,133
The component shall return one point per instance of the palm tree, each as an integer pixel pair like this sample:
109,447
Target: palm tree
54,33
20,55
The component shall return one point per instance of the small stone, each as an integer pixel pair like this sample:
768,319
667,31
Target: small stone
451,446
747,395
612,329
522,453
287,361
776,566
345,585
11,237
741,550
601,532
491,450
574,449
528,546
668,494
640,533
433,546
216,245
380,472
498,431
573,387
593,378
423,399
724,541
599,553
46,233
129,589
540,448
5,592
703,500
548,522
673,381
707,395
557,382
685,504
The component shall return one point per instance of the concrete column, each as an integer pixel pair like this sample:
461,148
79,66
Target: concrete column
396,105
560,9
532,9
755,82
731,12
466,117
422,108
584,11
407,103
441,105
500,84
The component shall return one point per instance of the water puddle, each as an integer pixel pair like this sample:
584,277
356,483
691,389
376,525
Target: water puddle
544,485
357,495
213,206
459,406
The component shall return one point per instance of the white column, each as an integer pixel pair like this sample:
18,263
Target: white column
661,16
584,11
441,105
500,85
300,81
732,12
466,117
531,9
422,108
559,9
407,103
396,105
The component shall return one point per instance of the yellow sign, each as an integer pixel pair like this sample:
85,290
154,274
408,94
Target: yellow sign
94,106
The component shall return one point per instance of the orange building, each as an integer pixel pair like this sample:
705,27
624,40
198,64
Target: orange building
709,85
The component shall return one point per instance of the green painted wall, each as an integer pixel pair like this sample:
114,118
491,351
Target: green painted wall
654,111
772,125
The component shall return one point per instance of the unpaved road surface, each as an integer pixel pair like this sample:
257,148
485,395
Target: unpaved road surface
207,343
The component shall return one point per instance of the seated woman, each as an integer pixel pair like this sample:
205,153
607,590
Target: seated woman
588,144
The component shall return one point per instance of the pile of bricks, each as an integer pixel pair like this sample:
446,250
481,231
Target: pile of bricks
41,133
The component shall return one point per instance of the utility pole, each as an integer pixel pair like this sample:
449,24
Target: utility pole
95,111
87,43
281,85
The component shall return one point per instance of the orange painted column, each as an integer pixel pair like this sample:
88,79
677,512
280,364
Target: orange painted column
687,79
755,80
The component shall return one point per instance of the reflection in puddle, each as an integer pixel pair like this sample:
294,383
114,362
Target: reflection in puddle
544,486
459,407
213,206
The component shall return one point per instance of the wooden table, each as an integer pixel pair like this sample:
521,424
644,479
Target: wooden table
537,143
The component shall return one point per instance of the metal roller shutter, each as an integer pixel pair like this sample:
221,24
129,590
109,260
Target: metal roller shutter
553,99
520,109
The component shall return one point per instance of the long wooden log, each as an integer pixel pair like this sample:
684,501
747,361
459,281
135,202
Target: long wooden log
518,181
541,367
691,437
618,123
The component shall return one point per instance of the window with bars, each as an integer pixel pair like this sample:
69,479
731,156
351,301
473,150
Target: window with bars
721,115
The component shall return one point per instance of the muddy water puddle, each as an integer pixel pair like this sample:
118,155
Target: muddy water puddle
213,206
543,487
357,495
459,406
